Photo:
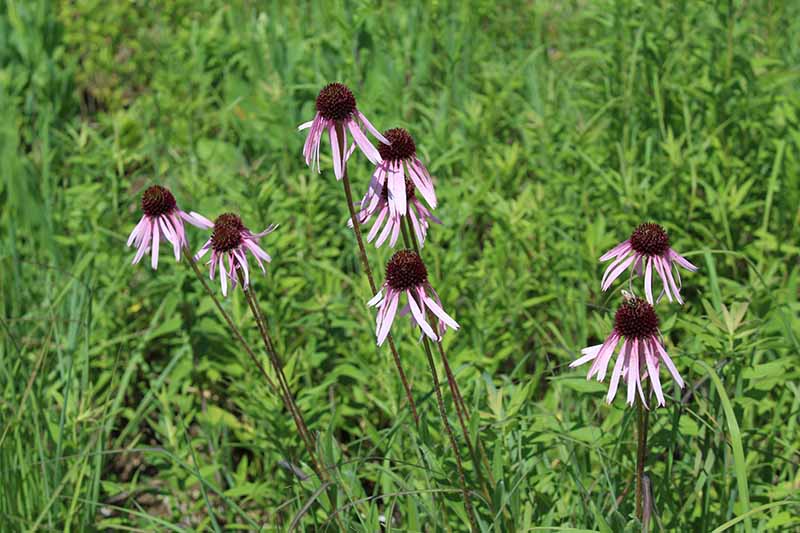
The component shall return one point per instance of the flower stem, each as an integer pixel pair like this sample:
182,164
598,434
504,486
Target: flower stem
291,405
277,366
229,321
462,479
642,415
410,239
365,264
287,400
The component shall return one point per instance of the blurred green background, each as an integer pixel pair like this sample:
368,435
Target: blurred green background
552,129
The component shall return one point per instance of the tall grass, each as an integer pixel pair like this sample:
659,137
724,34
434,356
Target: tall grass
552,129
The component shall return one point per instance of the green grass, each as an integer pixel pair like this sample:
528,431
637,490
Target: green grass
552,129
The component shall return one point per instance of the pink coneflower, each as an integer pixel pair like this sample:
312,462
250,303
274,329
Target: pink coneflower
161,219
636,325
378,202
337,105
647,250
400,162
406,273
229,242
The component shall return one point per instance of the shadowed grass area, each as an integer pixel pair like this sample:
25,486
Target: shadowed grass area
551,129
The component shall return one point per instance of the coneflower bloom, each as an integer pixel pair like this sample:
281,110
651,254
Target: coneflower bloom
336,105
379,204
406,274
647,250
399,162
229,242
636,326
161,219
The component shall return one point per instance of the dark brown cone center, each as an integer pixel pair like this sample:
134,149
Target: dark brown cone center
402,146
157,200
650,239
227,233
405,270
636,319
336,102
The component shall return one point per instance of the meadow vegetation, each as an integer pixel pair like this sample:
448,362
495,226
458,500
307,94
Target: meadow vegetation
552,129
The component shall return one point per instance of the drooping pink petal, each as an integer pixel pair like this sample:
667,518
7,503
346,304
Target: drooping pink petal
667,266
620,249
169,235
637,265
610,268
682,261
601,363
617,372
377,225
397,189
154,252
256,250
382,308
652,371
311,146
426,214
144,244
232,269
375,133
661,274
640,365
617,272
605,356
667,361
416,225
395,231
223,275
633,370
430,290
388,318
203,251
241,259
589,354
376,184
387,230
375,300
439,312
270,229
258,259
336,154
178,228
363,143
423,186
420,318
313,142
138,229
648,280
